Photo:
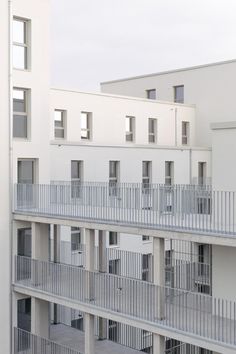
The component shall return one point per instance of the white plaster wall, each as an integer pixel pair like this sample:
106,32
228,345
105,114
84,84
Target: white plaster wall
109,112
223,272
223,159
37,81
211,88
5,236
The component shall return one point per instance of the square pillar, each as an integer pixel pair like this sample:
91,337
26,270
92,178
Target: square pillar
40,241
89,266
159,279
40,317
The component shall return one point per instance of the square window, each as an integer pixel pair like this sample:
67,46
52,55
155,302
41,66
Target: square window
151,94
113,238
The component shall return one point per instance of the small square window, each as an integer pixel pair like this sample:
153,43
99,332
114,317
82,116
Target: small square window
151,94
145,238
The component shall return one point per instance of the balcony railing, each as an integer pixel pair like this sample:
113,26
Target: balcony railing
179,207
175,309
26,342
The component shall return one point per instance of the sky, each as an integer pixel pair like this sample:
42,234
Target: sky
100,40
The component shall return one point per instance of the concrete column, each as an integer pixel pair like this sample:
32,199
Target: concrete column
39,308
56,259
40,317
89,265
102,267
159,279
40,241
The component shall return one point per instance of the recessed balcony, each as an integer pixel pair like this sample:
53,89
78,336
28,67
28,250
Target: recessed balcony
173,309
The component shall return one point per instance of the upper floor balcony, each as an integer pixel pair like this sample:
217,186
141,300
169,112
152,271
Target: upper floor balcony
187,208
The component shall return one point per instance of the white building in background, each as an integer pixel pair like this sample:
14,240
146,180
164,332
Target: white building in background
110,227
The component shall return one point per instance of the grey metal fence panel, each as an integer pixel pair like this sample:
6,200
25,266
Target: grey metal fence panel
186,311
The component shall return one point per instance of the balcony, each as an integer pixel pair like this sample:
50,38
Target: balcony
187,208
25,342
173,309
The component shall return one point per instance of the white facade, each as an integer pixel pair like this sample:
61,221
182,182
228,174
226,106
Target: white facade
37,164
209,87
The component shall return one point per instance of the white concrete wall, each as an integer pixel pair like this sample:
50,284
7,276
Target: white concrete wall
223,156
37,81
5,236
211,88
109,112
223,272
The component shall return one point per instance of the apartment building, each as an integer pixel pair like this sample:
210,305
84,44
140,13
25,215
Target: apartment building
113,238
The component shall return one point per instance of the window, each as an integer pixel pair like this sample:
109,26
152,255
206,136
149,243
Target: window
20,113
24,242
26,171
129,128
113,238
151,94
179,94
185,133
145,266
59,123
202,173
114,266
152,130
86,124
145,238
20,44
113,177
169,173
112,330
75,239
146,174
76,178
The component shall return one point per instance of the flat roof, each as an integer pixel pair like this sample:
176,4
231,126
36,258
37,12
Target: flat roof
170,71
131,98
223,125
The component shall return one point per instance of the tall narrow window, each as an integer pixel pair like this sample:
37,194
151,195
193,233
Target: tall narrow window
86,126
75,239
151,94
129,128
201,173
20,44
20,113
113,177
152,130
113,238
26,171
76,178
146,175
169,173
179,94
185,133
59,123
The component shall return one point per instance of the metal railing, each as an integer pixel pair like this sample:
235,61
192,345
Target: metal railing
180,310
179,207
26,342
182,270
